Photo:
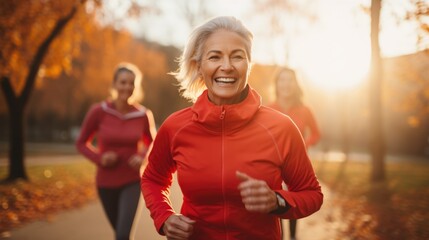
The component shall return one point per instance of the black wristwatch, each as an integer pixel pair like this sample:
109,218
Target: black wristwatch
282,205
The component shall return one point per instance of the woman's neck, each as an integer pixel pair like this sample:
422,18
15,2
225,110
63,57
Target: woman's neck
121,106
287,103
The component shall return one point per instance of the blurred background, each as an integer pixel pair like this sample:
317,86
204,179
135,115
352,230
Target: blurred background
328,42
364,67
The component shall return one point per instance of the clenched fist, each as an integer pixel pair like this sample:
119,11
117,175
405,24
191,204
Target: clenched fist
109,159
256,195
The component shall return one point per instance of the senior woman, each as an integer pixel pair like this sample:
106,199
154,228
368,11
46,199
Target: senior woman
231,153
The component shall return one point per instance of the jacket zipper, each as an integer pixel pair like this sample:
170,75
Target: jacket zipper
222,117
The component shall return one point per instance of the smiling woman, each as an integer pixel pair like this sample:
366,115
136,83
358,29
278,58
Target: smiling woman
230,153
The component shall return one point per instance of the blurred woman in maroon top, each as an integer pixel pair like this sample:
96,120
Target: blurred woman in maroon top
115,136
289,101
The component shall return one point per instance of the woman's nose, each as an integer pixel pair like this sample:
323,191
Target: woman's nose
130,86
226,64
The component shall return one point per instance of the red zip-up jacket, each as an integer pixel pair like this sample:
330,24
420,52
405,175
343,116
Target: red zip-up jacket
121,133
206,144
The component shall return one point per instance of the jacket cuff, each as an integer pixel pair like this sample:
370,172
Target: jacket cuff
281,209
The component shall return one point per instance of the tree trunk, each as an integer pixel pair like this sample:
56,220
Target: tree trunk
16,134
376,114
17,104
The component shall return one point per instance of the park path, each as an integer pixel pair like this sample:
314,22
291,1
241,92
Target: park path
89,222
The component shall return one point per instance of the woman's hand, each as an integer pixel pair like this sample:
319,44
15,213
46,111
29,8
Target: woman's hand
109,159
256,195
135,161
178,227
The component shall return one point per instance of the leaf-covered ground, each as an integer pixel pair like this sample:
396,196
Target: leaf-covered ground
50,189
397,208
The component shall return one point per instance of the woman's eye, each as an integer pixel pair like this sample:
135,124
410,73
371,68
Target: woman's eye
212,58
238,57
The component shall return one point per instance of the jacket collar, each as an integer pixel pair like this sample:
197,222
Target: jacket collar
139,111
226,117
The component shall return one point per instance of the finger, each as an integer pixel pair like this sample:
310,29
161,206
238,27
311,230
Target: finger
176,238
182,225
259,192
251,185
242,176
172,229
187,220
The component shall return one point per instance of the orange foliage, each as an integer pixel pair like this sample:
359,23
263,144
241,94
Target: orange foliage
407,85
24,25
79,65
86,78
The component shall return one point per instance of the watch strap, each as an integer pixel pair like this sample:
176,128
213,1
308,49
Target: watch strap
283,206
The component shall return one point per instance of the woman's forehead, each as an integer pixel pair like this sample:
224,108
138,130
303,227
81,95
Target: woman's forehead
224,39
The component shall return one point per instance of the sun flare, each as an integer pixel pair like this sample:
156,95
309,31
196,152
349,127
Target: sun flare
335,61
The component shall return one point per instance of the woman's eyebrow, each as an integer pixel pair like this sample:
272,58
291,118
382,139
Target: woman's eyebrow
233,51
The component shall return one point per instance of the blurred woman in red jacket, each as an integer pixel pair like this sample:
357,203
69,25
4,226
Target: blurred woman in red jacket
115,136
231,154
289,101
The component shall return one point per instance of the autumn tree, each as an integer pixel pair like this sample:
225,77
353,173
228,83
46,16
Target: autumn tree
412,71
28,30
376,121
420,14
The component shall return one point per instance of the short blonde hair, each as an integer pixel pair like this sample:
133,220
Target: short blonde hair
137,95
190,83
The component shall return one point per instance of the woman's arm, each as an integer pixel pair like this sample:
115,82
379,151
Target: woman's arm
157,179
139,160
86,136
314,135
304,195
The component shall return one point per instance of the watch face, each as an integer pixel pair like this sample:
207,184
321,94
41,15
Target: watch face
281,201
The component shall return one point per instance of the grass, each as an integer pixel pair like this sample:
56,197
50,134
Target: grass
51,188
397,208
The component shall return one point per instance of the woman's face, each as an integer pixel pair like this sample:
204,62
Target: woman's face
286,85
224,67
124,85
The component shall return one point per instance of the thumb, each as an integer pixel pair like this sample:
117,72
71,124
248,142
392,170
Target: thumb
186,219
242,176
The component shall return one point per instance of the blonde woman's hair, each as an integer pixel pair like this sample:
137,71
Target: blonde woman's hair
191,84
137,95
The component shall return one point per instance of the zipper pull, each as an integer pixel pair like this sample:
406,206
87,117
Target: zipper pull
222,114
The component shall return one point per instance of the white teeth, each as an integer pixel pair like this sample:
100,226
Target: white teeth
225,80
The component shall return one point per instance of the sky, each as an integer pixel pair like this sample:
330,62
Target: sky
334,45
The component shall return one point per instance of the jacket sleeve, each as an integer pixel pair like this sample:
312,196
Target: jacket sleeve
148,134
314,135
304,194
87,133
157,179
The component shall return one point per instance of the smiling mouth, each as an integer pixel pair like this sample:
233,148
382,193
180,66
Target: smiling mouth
225,80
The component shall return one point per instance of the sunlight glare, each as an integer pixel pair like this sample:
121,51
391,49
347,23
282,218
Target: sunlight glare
334,56
336,64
